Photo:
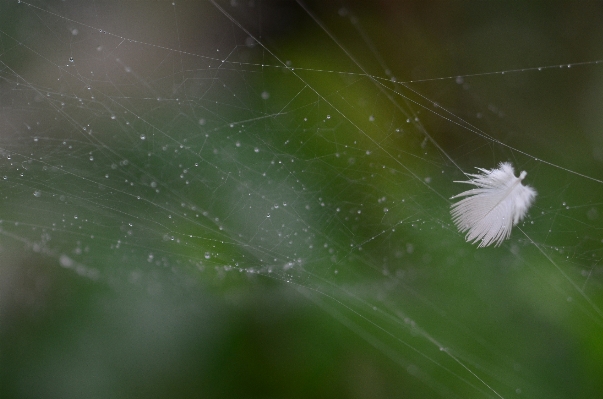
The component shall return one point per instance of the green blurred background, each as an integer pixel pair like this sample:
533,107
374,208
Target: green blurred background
250,199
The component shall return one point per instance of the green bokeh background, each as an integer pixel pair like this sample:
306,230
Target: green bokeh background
241,249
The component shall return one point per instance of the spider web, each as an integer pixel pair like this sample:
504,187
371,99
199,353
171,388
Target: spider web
252,198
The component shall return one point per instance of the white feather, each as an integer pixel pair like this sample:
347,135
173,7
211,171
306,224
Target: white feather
491,210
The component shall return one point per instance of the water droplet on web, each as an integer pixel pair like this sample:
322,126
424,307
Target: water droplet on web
37,193
65,261
265,95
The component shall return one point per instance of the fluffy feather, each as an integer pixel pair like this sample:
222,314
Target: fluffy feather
498,203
